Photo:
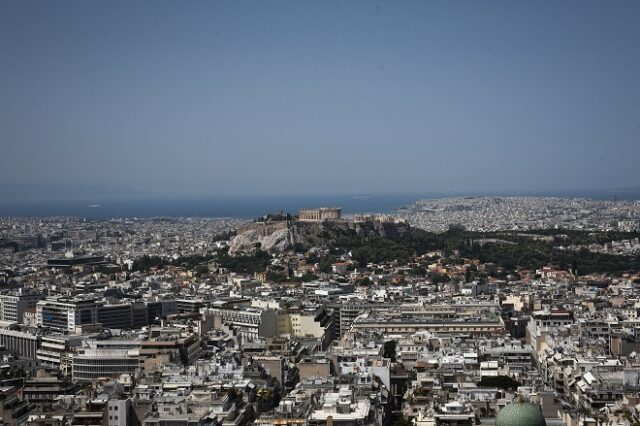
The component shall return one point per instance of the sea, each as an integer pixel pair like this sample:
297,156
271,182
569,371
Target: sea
254,206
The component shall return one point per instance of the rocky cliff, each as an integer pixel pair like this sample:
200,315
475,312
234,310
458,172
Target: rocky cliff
311,234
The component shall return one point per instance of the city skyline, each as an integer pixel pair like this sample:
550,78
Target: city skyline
330,213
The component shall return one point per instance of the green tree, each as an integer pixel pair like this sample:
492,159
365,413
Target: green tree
440,278
325,264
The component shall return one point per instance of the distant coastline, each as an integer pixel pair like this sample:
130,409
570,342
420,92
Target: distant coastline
251,207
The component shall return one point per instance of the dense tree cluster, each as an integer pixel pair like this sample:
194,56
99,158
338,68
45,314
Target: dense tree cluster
503,252
145,263
250,263
506,250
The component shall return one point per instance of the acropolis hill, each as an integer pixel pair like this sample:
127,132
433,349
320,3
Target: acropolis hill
312,228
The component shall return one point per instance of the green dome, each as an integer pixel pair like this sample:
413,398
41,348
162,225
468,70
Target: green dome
520,414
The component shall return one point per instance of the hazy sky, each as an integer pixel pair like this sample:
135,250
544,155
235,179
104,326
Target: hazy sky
320,97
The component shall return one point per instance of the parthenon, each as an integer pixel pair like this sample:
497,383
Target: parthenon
323,213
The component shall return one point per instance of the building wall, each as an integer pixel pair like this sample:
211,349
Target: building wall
64,316
269,324
324,213
118,412
13,410
314,369
96,363
309,326
284,324
476,329
13,306
274,366
251,323
263,228
115,316
299,325
25,344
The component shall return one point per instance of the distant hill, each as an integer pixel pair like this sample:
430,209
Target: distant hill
280,236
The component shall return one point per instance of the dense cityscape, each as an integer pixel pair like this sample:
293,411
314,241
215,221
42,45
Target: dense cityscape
318,319
319,213
523,213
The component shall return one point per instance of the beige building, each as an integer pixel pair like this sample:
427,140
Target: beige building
399,326
323,213
317,323
314,368
300,325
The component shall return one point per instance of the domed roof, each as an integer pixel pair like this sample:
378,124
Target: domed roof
520,413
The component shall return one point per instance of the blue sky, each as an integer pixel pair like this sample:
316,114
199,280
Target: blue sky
248,98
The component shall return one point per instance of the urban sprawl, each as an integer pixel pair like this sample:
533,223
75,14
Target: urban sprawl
500,311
